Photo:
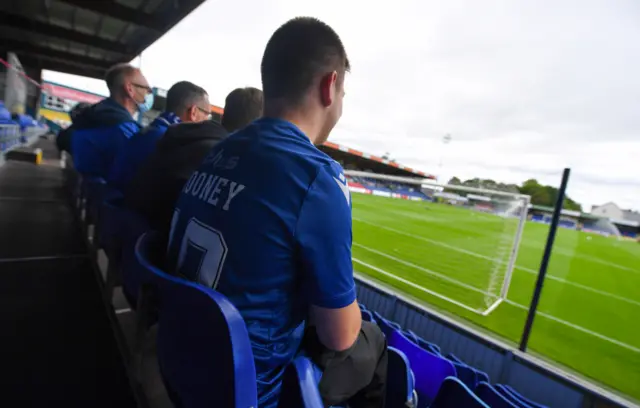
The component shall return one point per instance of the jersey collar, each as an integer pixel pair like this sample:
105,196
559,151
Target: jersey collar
285,126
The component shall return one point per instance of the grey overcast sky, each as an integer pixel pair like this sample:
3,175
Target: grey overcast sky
525,88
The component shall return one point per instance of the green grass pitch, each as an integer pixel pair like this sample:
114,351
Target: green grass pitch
589,314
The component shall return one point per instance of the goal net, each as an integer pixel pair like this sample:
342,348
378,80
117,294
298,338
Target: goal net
437,242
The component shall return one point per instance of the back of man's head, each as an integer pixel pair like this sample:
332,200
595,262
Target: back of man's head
78,109
303,67
116,77
242,106
189,101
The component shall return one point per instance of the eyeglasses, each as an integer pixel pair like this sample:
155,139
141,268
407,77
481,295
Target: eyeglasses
206,112
146,88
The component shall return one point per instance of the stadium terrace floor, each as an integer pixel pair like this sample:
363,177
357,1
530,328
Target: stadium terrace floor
59,348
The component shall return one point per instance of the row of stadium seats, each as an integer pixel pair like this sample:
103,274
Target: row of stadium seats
446,381
16,129
191,318
386,186
196,374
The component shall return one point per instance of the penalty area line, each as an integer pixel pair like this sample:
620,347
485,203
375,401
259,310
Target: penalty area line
495,305
425,270
406,282
521,268
576,327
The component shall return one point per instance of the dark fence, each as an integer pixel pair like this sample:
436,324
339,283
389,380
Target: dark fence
503,363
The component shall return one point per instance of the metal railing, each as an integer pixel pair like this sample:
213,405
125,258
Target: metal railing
9,136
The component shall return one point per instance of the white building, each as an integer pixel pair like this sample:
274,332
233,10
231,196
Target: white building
616,214
608,210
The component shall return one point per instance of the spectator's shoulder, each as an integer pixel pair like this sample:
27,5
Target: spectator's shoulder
328,164
197,131
129,128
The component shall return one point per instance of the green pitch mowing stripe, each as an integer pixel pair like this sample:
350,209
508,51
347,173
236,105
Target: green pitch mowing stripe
445,256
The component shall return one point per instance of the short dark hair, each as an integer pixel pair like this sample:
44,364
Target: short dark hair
115,77
296,53
182,95
78,109
242,106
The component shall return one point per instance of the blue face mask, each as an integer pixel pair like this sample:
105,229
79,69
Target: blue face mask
147,104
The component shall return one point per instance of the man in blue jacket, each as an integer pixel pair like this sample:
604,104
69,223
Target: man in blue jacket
102,130
186,102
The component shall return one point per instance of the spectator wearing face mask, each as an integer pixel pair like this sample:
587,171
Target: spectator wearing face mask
186,103
103,129
154,190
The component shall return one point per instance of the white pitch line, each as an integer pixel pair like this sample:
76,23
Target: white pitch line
566,252
518,305
420,268
528,270
576,327
423,289
560,251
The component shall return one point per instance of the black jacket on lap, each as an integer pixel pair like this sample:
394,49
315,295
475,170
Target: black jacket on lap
154,190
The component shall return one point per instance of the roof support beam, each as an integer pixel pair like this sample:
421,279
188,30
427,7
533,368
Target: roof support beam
20,47
37,27
120,12
29,61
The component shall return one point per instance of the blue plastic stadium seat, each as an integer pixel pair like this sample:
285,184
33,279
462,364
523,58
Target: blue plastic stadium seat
133,276
93,188
514,396
367,316
454,394
493,398
468,375
400,381
482,376
429,369
112,232
510,397
433,348
454,358
410,335
300,385
111,220
74,183
204,350
385,325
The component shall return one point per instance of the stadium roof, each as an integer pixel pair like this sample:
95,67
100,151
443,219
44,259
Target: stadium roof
587,216
368,161
84,37
569,213
374,163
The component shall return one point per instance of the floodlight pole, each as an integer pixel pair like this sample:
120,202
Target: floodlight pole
545,260
446,139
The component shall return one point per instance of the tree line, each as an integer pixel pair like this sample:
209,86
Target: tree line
540,194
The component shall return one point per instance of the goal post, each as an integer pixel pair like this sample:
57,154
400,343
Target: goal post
460,246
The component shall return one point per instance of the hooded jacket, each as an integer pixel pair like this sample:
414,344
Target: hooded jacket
99,133
137,151
63,140
155,188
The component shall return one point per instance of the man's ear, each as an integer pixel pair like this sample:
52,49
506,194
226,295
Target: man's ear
191,113
128,88
328,88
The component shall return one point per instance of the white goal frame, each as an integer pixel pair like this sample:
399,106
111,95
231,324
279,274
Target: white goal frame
515,246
